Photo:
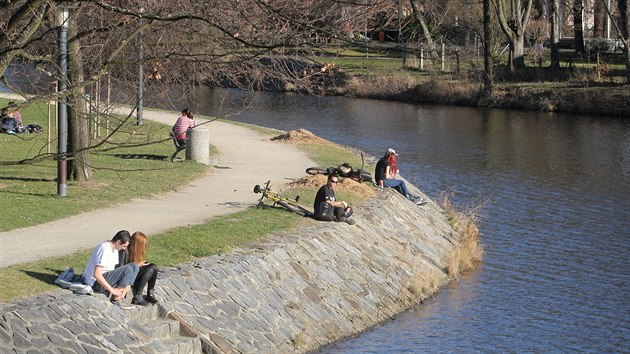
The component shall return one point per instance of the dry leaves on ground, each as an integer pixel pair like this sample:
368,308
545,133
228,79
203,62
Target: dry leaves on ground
346,185
301,136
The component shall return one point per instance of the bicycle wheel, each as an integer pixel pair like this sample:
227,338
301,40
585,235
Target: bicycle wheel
261,202
366,176
294,208
317,170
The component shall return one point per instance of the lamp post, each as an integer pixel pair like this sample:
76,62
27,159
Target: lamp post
63,17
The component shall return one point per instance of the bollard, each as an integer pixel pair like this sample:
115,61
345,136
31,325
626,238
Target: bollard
198,145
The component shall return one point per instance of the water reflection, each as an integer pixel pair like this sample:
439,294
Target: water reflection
556,226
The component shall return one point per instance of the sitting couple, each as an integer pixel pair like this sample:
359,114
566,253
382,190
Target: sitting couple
118,265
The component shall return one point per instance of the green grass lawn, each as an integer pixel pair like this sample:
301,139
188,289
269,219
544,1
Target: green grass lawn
128,166
166,249
384,61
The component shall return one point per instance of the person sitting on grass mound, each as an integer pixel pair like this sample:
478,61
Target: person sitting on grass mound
101,272
327,208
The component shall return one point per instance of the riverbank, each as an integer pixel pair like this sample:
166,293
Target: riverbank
562,97
292,292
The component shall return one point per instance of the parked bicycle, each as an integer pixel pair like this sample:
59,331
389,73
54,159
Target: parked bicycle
343,170
277,199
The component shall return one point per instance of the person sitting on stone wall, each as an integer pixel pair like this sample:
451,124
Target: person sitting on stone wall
101,272
327,208
385,178
148,272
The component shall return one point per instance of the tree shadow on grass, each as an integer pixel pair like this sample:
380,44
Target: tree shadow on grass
27,179
44,277
31,194
141,156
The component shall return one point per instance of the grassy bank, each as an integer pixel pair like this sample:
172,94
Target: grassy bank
166,249
565,97
468,251
583,84
28,175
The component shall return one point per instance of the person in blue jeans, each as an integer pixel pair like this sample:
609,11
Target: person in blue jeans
101,272
384,178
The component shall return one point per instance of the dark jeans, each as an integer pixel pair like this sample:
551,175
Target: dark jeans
147,276
342,213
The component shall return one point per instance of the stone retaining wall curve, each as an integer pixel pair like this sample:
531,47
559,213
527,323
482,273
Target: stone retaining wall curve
292,292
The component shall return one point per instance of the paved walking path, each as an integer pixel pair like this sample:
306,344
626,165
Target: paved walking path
245,158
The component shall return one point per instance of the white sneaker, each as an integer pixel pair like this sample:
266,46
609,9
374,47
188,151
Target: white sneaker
81,289
419,200
123,304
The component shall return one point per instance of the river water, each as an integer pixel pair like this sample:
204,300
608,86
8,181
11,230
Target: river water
554,191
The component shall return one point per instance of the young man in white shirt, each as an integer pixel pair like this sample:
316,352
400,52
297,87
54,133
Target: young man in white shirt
101,272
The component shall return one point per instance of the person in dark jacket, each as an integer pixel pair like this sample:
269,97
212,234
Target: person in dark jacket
148,272
385,178
327,208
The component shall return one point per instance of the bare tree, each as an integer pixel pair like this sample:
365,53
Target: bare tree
578,25
488,44
249,44
513,16
624,29
79,167
555,34
418,13
599,20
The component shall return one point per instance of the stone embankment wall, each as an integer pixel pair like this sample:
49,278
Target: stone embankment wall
292,292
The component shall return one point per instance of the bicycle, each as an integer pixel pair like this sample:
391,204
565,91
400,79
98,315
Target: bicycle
277,199
344,170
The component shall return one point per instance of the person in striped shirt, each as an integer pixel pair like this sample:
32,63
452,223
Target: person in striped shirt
183,123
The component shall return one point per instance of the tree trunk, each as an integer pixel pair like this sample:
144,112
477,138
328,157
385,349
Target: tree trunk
578,26
417,13
519,50
79,167
488,84
624,14
513,20
554,19
599,17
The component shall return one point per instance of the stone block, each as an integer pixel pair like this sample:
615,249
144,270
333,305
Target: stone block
198,145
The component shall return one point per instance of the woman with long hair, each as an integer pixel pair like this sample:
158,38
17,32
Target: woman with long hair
392,159
147,276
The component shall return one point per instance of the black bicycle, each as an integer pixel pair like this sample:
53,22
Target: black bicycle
277,199
343,170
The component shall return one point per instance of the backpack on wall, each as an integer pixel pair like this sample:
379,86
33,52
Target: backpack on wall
69,280
326,212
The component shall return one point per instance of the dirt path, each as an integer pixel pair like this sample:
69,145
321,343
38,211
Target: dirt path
245,159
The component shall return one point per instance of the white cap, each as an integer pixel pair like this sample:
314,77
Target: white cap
392,151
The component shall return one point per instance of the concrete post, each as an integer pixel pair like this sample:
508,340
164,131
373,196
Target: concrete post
198,145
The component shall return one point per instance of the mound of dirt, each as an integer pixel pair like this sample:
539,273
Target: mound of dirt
346,185
301,136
